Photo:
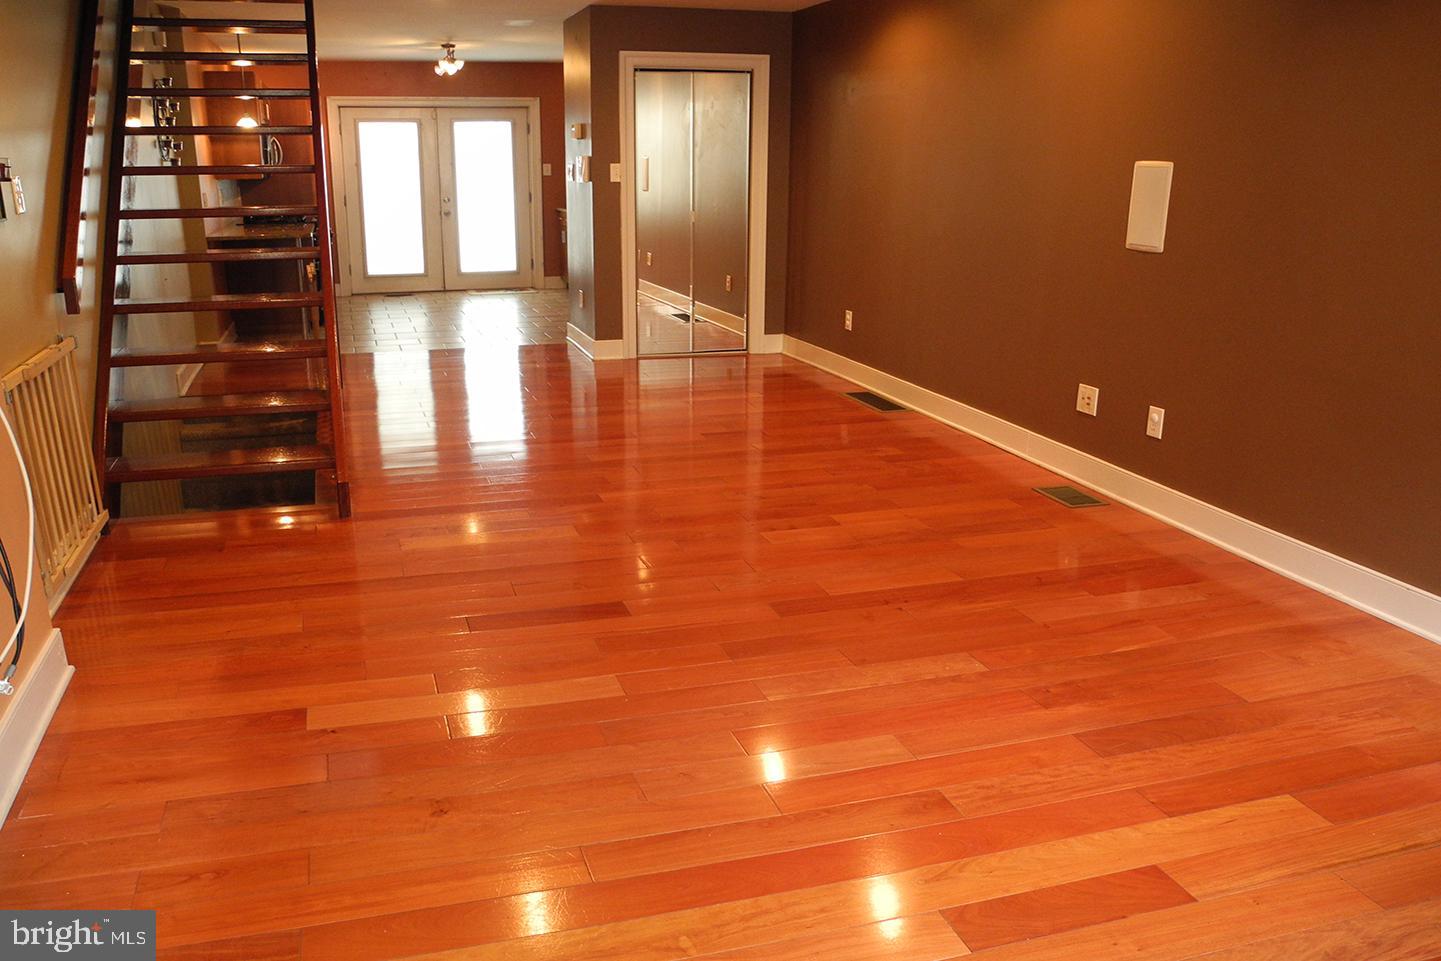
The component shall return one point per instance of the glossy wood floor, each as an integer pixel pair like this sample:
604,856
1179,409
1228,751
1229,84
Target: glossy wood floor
705,659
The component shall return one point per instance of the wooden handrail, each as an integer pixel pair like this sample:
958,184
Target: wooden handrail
83,86
326,239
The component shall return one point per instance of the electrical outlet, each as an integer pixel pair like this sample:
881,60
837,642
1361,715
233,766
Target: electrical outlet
850,319
1088,399
649,259
729,281
1155,422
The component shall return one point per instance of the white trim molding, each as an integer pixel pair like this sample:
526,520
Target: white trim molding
759,67
592,348
1381,595
29,710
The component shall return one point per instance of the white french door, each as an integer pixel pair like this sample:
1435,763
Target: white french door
437,198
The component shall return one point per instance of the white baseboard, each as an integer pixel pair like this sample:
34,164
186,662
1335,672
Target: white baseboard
1402,604
592,348
27,715
769,344
555,283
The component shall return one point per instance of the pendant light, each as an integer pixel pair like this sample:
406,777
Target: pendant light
448,66
246,121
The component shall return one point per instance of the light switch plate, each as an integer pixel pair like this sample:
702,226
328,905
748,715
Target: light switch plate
1150,205
1155,422
615,173
545,170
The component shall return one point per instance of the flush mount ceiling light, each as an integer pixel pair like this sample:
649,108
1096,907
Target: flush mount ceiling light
448,66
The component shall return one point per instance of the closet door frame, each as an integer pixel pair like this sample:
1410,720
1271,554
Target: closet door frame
338,148
758,66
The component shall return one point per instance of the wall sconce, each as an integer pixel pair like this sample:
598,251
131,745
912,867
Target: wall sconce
166,111
448,66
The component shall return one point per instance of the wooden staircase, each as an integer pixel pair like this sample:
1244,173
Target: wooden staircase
266,368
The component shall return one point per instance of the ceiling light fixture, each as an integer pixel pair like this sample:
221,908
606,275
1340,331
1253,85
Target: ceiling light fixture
448,66
240,60
247,121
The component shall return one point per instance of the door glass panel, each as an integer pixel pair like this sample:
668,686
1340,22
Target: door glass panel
485,195
390,194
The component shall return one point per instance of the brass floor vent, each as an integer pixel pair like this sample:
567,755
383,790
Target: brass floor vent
1070,496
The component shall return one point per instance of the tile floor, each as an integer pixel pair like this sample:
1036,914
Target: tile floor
448,320
445,320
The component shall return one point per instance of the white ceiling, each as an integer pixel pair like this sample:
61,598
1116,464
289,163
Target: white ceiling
481,29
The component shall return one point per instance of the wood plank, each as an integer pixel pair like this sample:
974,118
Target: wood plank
1398,879
456,702
1247,866
1203,926
490,931
924,937
1065,907
1375,795
1406,934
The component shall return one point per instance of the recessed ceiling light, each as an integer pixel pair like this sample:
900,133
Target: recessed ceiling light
520,23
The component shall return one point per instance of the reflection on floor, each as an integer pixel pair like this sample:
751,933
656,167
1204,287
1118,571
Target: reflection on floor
701,658
445,320
662,332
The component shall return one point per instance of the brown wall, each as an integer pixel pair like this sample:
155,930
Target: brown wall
965,172
356,78
593,74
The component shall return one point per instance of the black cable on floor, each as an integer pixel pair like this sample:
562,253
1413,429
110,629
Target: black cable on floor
7,577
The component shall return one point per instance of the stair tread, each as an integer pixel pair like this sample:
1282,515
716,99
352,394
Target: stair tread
217,170
208,56
166,213
219,353
255,460
220,405
170,305
224,24
222,254
278,93
221,130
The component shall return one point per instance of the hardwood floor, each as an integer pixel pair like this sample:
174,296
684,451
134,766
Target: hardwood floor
702,658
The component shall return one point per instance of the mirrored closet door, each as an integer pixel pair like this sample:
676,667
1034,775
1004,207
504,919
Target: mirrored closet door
692,132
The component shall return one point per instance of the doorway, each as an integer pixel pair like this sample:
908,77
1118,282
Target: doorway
692,227
438,198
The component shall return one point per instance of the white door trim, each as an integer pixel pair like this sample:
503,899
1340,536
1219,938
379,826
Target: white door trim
759,66
339,150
